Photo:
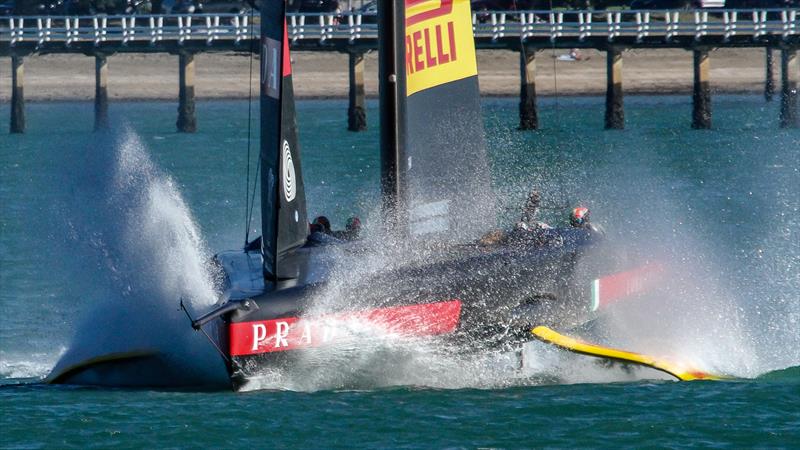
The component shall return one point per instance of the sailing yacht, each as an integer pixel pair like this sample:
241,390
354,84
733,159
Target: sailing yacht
437,203
431,276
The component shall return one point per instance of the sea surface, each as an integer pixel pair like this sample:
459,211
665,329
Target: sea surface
101,233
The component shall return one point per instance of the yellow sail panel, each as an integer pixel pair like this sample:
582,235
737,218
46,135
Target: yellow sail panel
439,45
679,371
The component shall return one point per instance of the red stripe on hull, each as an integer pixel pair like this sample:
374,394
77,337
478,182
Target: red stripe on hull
616,287
292,333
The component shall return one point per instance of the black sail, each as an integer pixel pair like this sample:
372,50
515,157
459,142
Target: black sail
442,171
283,204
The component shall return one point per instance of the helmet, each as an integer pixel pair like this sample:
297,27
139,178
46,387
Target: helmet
324,223
579,216
353,224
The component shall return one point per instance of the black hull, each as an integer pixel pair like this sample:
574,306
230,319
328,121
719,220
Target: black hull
135,369
502,292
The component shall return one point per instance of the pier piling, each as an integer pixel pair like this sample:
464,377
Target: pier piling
100,91
17,95
187,122
615,113
769,81
528,115
701,98
790,72
356,112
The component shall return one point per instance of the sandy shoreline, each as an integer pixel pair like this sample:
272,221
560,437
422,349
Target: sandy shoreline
324,75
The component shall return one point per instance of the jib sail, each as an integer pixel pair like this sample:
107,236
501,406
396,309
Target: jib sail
283,203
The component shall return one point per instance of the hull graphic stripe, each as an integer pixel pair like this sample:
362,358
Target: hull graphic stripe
293,333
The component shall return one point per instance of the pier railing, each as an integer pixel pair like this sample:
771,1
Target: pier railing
526,32
493,29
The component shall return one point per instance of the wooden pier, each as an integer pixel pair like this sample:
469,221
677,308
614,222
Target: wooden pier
187,122
790,72
356,111
528,113
701,95
100,91
615,114
526,32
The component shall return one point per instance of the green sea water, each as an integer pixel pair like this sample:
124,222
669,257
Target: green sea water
721,204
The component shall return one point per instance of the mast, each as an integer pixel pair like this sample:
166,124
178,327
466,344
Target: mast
391,35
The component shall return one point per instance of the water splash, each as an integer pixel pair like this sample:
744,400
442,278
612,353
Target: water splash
721,214
374,356
705,315
15,366
370,357
135,250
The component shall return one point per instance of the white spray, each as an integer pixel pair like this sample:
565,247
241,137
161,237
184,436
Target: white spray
136,251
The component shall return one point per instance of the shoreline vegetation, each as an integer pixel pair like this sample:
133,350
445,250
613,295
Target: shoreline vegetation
319,75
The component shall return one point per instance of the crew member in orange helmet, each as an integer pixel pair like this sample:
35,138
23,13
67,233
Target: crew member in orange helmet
579,218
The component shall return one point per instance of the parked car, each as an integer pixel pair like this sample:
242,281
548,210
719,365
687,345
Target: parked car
139,7
7,8
369,11
748,4
313,6
204,7
663,4
494,5
224,6
180,6
51,8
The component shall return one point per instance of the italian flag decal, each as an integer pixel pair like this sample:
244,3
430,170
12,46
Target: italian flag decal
613,288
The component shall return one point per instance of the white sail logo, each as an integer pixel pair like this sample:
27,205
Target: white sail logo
289,185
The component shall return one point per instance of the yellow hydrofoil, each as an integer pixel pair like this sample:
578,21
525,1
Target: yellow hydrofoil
679,371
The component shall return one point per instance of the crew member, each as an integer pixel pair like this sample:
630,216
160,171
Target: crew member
320,232
321,224
530,210
522,229
352,229
579,218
